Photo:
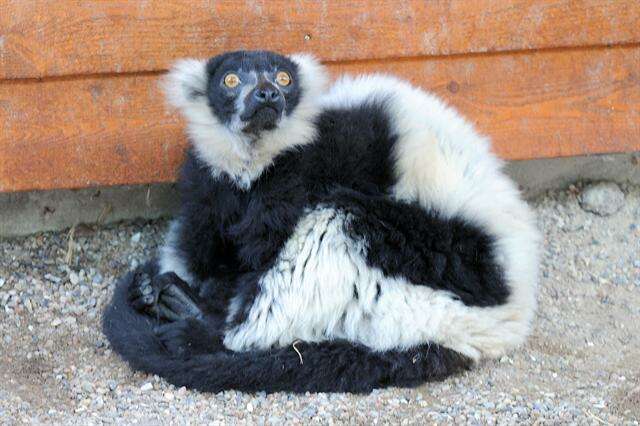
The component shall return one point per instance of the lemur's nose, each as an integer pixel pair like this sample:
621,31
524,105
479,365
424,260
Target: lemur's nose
266,92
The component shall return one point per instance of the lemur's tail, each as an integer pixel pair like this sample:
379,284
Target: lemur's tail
337,366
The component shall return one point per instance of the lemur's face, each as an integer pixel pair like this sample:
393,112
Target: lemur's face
244,108
250,92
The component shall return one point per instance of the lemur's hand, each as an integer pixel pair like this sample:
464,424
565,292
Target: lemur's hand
165,297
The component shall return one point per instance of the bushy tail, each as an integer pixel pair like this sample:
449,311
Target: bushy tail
337,366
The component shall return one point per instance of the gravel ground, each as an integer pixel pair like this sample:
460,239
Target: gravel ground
581,365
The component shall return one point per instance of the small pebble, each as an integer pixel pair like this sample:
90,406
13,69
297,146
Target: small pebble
53,278
603,198
146,387
74,278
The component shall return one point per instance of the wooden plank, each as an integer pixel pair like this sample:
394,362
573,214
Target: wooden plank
50,37
86,132
113,130
538,104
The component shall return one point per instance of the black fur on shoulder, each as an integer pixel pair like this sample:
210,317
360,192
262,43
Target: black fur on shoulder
303,367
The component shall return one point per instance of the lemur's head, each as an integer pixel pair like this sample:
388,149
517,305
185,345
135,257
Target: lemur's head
243,108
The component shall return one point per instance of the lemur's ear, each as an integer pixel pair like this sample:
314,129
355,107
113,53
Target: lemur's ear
186,83
314,75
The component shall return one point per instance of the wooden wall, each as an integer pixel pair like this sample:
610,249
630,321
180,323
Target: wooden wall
80,105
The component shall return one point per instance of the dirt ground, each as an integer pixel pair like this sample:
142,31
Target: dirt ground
581,364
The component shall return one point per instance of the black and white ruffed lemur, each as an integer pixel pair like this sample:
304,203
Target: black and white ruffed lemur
339,238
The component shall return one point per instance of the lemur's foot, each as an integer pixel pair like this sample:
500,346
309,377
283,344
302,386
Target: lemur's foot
186,338
165,297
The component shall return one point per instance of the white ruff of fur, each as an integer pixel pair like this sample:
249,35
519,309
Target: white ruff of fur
442,163
229,151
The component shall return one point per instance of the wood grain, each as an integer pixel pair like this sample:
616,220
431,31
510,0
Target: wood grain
538,104
70,133
86,132
51,38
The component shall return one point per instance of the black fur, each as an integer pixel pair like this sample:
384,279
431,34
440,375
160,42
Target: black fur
230,237
320,367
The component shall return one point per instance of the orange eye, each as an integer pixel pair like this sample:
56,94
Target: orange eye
231,80
283,78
